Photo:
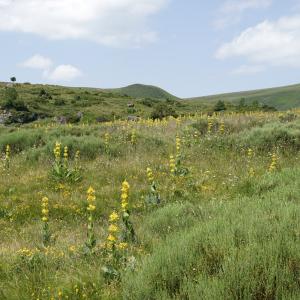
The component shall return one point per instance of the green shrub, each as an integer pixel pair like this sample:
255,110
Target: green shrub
266,138
163,110
59,102
20,140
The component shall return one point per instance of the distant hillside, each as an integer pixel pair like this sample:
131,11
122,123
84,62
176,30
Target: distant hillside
144,91
282,98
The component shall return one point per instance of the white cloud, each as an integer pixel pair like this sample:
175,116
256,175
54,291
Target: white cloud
231,12
63,73
37,62
110,22
268,43
248,70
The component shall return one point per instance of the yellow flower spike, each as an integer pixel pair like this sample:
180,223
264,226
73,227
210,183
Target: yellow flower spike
45,210
133,137
251,172
91,207
222,127
66,154
7,152
124,195
172,164
250,153
106,139
209,124
274,161
150,175
57,151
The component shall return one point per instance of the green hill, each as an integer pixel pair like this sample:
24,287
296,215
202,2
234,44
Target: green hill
144,91
282,98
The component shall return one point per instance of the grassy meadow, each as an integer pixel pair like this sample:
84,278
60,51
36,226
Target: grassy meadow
198,207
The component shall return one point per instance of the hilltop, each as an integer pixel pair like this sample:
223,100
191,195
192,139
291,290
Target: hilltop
144,91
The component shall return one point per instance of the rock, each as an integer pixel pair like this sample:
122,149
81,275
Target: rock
133,118
61,120
5,116
79,115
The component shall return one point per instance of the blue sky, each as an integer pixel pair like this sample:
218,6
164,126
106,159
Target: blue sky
189,48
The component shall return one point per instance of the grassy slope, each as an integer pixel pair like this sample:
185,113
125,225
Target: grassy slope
93,102
217,233
281,97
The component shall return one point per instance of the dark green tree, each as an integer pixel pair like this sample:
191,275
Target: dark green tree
220,106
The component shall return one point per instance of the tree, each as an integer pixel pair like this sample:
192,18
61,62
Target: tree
13,79
220,106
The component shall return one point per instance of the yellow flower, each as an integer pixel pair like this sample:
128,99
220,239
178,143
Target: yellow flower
113,217
122,246
113,228
45,211
72,248
91,207
90,191
111,238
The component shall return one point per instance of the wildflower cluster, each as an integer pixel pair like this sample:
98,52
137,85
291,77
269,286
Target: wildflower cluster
153,197
61,170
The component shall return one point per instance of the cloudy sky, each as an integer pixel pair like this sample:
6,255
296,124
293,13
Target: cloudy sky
189,47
